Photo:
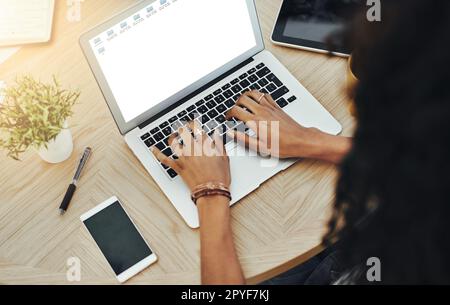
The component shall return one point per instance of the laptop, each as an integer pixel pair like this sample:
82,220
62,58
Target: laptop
162,63
25,21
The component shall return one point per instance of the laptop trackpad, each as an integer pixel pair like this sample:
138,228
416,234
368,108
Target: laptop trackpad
248,170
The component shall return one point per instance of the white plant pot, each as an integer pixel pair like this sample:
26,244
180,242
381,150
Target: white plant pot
59,149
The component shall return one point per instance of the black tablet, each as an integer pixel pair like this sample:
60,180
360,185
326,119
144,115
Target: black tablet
306,24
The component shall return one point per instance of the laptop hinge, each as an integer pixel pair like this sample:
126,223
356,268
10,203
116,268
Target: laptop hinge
198,91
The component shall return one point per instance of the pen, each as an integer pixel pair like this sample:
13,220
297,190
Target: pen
73,186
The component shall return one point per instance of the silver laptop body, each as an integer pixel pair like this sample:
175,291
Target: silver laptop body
119,47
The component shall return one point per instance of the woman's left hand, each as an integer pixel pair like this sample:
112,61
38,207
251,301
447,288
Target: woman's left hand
200,158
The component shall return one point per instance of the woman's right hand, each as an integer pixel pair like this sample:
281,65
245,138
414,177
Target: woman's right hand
278,135
200,158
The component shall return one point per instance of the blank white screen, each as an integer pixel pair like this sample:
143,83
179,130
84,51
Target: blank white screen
181,42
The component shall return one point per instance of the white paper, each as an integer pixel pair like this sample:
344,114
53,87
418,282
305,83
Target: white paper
6,53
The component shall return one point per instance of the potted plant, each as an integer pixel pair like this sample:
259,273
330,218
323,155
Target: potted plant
34,115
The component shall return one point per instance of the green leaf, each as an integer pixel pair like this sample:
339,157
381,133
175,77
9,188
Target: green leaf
33,113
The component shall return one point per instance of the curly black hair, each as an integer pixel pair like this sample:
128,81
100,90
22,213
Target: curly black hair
393,193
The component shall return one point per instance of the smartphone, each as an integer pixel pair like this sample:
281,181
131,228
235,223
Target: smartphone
118,239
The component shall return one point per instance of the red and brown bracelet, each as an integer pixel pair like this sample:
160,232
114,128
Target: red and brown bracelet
210,189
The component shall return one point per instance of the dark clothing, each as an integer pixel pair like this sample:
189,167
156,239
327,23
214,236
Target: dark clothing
322,269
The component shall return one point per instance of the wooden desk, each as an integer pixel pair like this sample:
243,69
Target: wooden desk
275,227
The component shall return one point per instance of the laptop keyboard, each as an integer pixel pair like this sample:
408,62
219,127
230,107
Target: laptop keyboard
210,111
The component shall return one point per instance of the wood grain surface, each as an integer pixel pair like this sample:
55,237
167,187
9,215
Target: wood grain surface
276,227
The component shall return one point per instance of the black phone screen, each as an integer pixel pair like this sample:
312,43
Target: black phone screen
117,237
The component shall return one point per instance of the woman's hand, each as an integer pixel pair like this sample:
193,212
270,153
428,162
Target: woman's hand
278,135
200,159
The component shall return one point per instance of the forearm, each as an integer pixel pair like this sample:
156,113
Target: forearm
330,148
219,262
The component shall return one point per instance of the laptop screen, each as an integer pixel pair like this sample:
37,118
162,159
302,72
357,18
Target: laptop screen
169,45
